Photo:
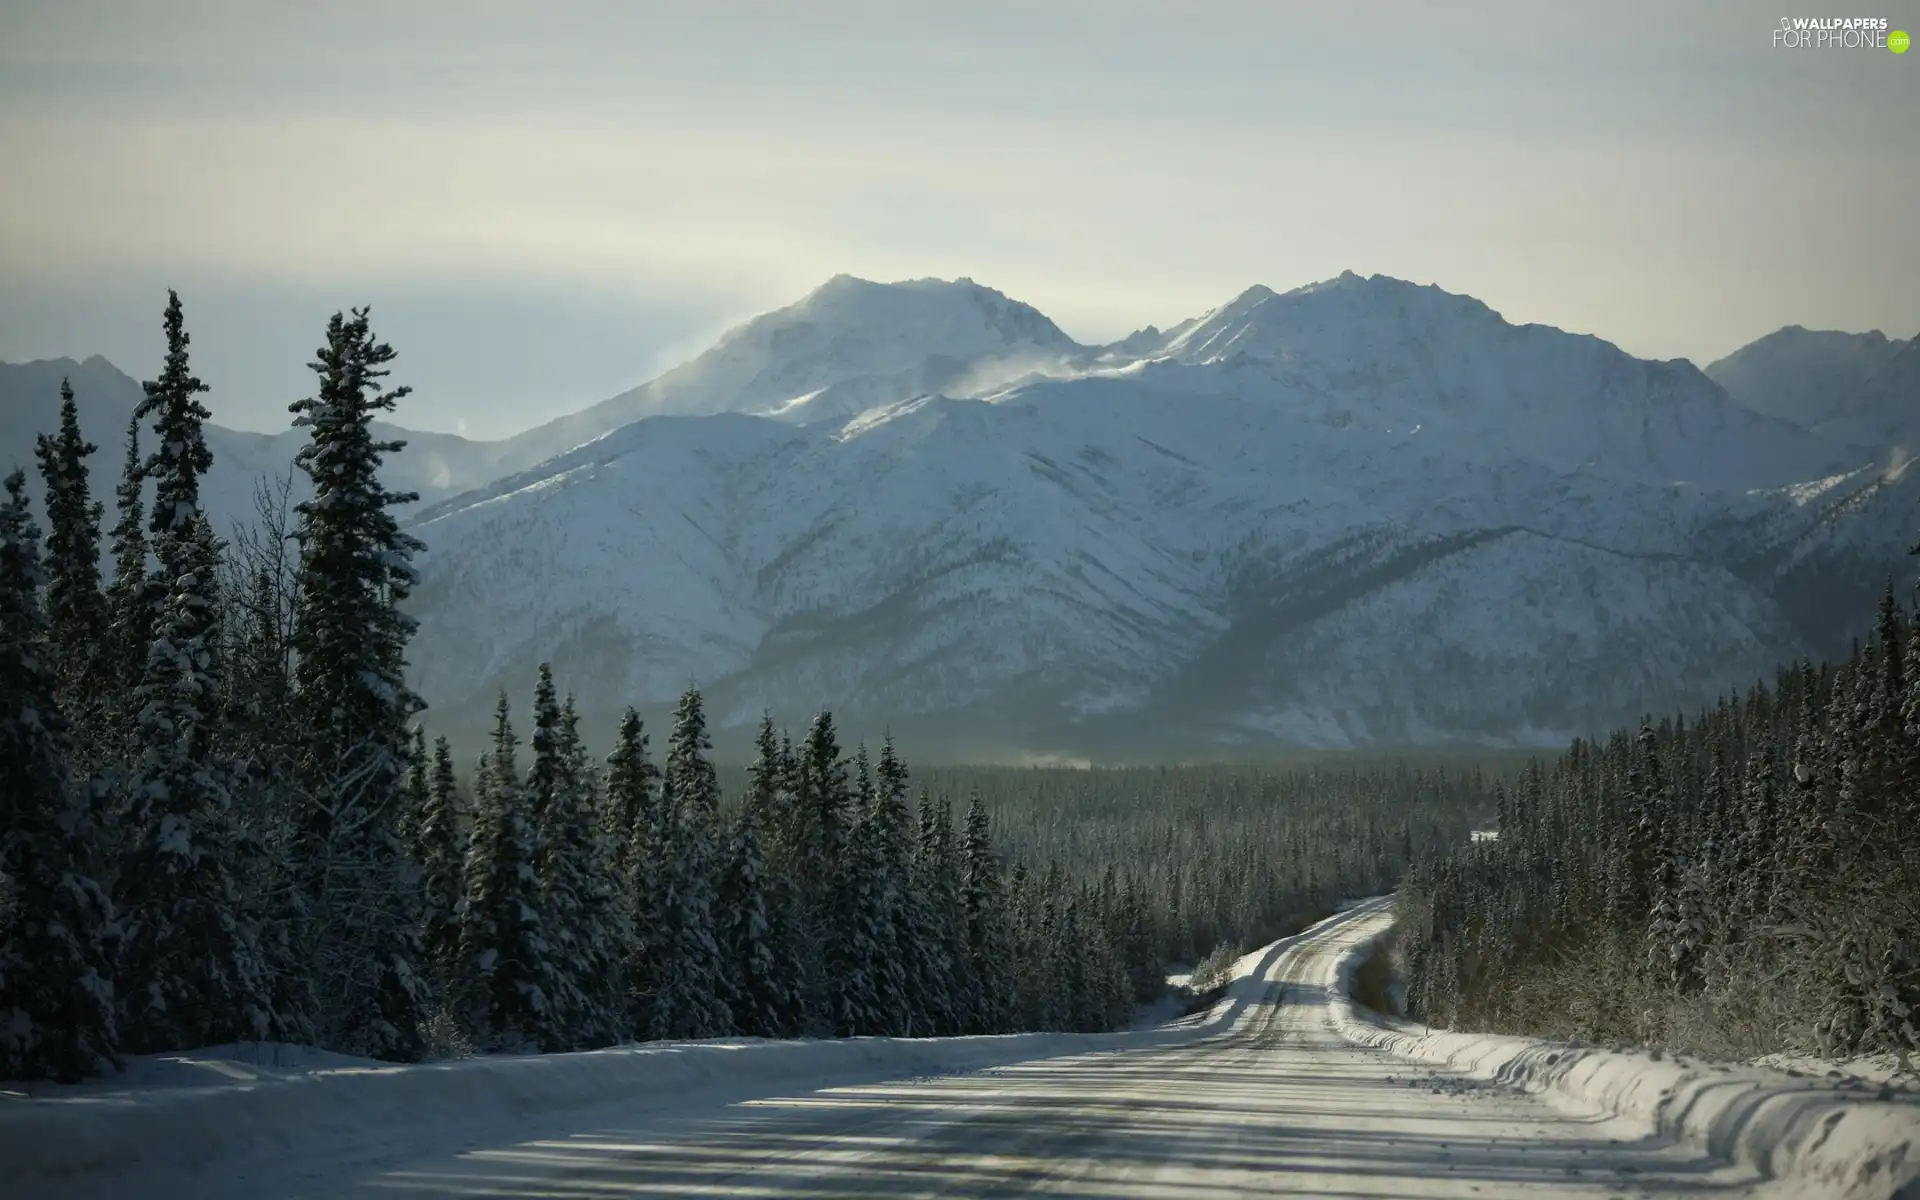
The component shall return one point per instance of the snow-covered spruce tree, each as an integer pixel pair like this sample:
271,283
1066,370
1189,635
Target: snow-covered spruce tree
357,883
436,833
75,603
133,600
551,809
502,943
947,987
984,899
631,820
858,931
754,988
191,972
770,793
577,908
57,938
814,842
905,978
688,967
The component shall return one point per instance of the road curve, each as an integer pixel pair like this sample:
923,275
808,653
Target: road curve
1278,1104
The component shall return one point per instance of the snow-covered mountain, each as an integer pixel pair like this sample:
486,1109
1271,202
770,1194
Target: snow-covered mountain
845,347
1860,389
1363,511
433,464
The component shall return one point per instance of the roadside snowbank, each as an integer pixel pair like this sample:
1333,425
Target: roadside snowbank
1823,1139
233,1110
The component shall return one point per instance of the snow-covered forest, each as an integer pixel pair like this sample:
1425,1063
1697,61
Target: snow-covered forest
222,819
1741,884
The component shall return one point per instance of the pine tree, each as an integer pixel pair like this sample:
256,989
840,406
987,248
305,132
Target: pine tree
502,942
946,986
984,899
192,972
437,850
605,931
814,842
632,822
57,937
906,981
688,970
133,601
859,930
75,604
755,992
349,640
770,796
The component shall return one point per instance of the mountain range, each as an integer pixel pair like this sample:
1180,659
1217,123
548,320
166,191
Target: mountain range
1359,512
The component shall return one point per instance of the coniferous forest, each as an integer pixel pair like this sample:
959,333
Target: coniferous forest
1738,885
223,818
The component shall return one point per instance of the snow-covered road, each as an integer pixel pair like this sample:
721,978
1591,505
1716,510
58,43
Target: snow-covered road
1277,1104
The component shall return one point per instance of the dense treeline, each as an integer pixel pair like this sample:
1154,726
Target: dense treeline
1231,856
1739,885
220,819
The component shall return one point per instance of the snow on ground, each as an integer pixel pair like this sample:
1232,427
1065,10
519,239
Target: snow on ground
244,1112
237,1064
1835,1136
1283,1089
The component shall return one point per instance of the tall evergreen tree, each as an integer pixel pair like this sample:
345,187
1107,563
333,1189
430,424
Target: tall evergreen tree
813,842
755,992
984,899
56,941
132,600
770,794
905,978
946,985
633,822
605,931
349,641
437,850
192,972
75,604
502,942
688,967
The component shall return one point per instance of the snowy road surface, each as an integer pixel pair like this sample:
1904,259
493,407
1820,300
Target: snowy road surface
1276,1105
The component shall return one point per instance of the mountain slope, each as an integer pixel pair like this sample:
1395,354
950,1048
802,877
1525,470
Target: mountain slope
1858,389
1359,513
870,343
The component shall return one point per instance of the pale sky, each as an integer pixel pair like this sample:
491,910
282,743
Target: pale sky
546,203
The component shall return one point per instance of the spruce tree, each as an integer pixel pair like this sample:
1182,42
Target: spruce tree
770,795
57,936
946,987
191,967
687,966
632,823
437,850
132,600
75,604
755,991
984,899
502,942
906,981
604,930
349,641
814,842
859,956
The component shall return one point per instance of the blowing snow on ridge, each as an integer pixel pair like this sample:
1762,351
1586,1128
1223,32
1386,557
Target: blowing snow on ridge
1361,512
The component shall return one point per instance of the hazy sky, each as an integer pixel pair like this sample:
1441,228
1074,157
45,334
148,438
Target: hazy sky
548,202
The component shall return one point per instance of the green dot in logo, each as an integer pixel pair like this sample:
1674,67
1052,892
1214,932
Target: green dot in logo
1897,41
